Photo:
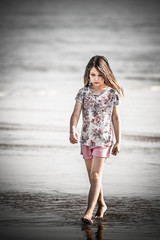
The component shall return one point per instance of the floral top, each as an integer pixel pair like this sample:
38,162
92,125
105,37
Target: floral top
97,129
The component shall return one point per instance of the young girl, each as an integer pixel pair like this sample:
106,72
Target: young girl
98,100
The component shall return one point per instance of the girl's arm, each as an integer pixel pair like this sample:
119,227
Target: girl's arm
117,130
74,121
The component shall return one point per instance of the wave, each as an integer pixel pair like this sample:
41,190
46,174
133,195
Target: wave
142,78
47,128
27,146
16,126
142,138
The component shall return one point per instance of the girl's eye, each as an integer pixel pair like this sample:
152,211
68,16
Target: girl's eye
94,75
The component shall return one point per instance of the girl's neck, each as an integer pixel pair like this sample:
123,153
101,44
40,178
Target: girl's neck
98,89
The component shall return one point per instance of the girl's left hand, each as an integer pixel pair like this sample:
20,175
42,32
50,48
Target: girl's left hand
116,149
74,137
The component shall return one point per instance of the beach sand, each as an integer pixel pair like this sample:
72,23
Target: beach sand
58,216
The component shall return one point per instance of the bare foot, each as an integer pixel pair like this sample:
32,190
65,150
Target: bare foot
87,219
100,212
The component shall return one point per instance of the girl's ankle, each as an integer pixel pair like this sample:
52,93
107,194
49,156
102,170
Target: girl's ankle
102,204
88,213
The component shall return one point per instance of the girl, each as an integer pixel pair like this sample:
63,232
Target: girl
98,100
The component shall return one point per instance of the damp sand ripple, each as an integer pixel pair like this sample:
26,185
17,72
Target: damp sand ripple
71,207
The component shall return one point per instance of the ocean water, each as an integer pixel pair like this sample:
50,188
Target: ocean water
45,46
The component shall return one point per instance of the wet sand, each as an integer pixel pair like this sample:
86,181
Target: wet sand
58,216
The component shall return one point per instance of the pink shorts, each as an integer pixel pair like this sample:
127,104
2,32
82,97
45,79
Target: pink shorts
98,151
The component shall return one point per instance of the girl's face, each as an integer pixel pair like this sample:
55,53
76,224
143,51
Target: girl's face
96,77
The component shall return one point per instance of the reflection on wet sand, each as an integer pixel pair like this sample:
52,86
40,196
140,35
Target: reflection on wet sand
94,235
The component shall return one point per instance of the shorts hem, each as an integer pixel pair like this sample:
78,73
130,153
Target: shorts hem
99,156
92,153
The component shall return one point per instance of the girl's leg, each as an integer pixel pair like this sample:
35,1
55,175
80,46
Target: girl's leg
102,207
95,178
100,200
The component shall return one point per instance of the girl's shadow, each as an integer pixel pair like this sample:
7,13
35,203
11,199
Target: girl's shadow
90,234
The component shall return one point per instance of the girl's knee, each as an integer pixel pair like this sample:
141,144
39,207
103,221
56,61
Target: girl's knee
95,176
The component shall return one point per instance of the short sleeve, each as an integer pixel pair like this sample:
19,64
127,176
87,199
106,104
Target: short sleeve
116,99
79,96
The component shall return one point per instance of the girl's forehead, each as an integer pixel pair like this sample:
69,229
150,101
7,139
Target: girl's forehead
94,70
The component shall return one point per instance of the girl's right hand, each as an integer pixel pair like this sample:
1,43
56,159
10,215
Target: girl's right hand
73,138
116,149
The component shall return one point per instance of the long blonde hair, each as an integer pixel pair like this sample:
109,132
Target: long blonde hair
102,65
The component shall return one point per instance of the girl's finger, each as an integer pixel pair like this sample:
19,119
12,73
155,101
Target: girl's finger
74,140
113,150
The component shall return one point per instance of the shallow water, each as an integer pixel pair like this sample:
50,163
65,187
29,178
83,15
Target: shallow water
36,103
135,172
